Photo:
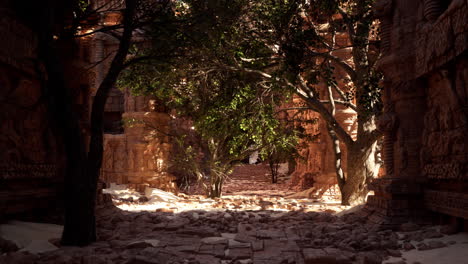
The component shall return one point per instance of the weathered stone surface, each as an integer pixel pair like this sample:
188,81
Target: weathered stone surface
214,240
142,260
369,258
408,227
144,243
7,246
424,64
317,256
238,253
257,245
246,229
236,244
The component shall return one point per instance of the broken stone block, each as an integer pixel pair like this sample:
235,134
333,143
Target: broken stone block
171,226
7,246
238,253
422,246
19,257
197,231
291,246
160,226
394,253
408,246
246,229
229,235
369,258
143,244
94,260
150,252
142,260
431,234
257,245
409,227
241,237
214,240
203,259
433,244
317,256
270,234
205,249
219,250
185,248
448,229
235,244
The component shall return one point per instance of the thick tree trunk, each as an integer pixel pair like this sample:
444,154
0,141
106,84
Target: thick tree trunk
81,228
361,169
77,228
216,186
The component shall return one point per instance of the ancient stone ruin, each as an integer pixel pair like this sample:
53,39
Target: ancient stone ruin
425,121
425,153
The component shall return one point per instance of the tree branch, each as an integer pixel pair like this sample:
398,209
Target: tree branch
344,103
349,70
326,115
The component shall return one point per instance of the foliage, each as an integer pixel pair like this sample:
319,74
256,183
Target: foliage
229,118
302,40
274,47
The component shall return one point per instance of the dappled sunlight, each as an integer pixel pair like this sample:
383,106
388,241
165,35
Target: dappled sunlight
157,200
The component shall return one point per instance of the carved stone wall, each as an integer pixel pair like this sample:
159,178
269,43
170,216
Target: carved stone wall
426,95
135,154
31,163
139,157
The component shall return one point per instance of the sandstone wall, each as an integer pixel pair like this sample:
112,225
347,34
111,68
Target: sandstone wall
139,156
32,158
134,154
425,66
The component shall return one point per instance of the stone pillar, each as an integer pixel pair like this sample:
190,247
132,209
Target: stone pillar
148,150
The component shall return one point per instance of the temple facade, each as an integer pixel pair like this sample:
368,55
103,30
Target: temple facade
426,120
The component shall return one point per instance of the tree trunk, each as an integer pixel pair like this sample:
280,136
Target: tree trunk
361,169
274,170
216,185
94,158
77,227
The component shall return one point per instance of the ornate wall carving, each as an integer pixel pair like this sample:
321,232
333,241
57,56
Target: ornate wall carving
139,157
427,90
31,163
450,203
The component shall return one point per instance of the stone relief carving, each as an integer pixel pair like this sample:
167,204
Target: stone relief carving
23,170
455,204
444,171
119,158
402,151
432,9
383,11
108,157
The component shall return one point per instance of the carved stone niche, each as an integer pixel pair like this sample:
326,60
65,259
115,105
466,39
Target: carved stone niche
433,9
383,11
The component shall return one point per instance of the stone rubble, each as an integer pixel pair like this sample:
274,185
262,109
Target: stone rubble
234,237
249,226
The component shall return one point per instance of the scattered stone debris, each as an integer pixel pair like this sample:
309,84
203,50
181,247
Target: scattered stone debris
240,228
207,237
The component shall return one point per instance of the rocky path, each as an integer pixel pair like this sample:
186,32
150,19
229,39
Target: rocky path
255,180
260,237
256,225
